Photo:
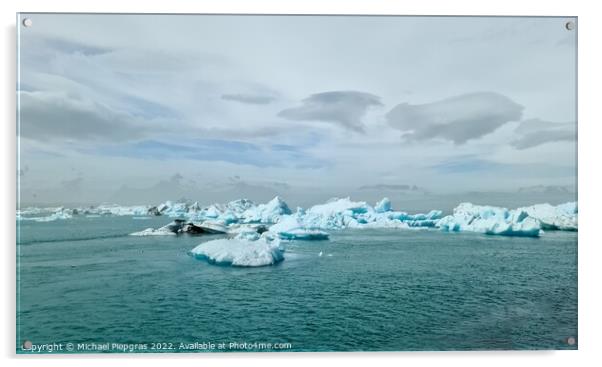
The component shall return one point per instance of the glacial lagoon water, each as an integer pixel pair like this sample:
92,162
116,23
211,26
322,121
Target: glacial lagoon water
84,280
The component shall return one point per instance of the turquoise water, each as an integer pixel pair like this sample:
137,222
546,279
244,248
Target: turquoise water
85,281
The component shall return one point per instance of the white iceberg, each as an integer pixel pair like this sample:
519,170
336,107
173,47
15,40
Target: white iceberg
154,232
240,252
177,209
239,206
116,210
304,235
248,234
335,214
234,208
237,228
32,210
560,217
344,213
383,206
179,226
468,217
172,228
266,213
56,214
290,227
212,227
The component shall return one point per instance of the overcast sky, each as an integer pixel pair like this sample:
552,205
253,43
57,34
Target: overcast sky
134,108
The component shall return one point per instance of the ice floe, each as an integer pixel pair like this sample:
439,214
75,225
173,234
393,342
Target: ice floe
45,215
468,217
304,235
114,209
240,251
153,232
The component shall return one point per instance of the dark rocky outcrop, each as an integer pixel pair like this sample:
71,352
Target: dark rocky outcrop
190,228
176,226
153,211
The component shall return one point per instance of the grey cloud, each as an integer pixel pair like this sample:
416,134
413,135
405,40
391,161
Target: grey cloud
50,116
42,50
458,119
383,187
345,108
536,132
248,98
66,46
47,116
547,136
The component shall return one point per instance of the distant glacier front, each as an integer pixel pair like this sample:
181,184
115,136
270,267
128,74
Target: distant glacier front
335,214
256,232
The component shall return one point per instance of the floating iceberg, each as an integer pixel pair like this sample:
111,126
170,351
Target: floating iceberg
335,214
240,252
560,217
468,217
154,232
91,212
177,209
266,213
237,228
290,227
117,210
179,226
344,213
383,206
304,235
52,215
206,227
34,211
249,235
173,228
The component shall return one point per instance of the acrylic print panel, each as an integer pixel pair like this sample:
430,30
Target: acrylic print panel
239,183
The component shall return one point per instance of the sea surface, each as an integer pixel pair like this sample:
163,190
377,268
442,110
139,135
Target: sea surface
86,284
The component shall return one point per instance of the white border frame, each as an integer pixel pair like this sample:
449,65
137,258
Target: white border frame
590,27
